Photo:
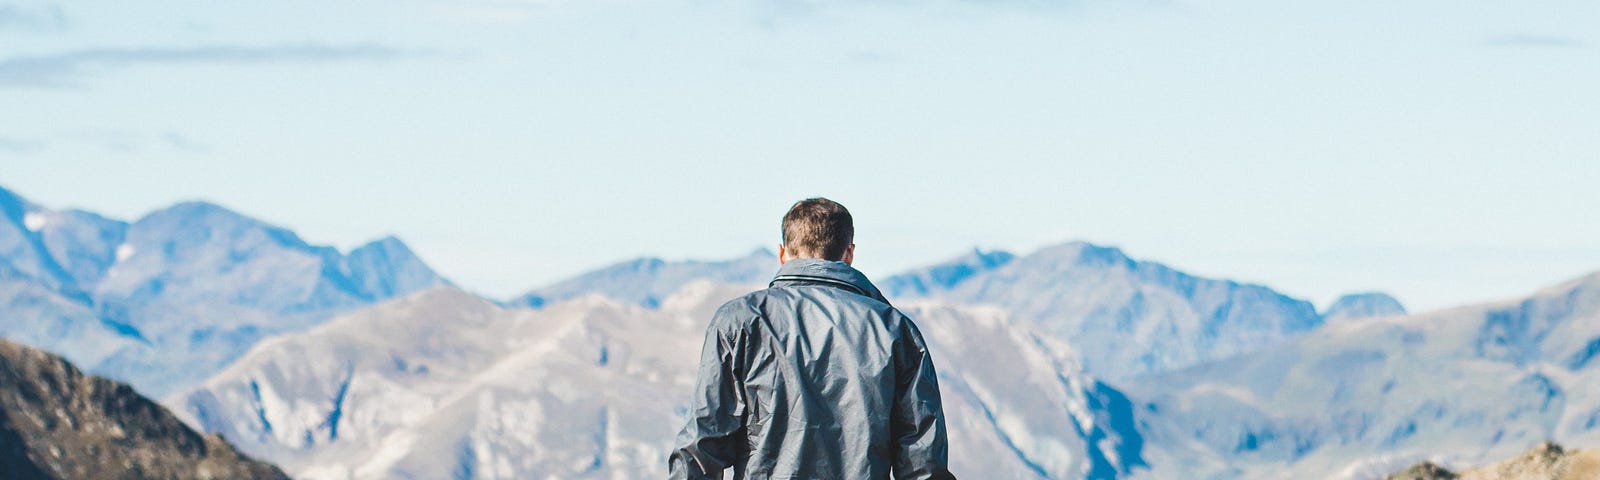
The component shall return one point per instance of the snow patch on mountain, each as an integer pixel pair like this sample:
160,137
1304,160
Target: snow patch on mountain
34,221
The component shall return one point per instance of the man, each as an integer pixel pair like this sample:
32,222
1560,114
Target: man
815,377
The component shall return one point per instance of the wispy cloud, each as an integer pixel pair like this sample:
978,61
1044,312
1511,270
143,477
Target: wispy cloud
133,142
872,58
107,141
1526,40
48,17
183,143
20,145
70,68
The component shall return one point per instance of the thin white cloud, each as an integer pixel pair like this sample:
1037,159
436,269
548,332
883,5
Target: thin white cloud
20,145
1526,40
71,68
48,17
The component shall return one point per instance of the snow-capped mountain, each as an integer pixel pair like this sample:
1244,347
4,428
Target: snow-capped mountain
1361,398
1125,317
49,262
646,281
1363,305
444,384
171,298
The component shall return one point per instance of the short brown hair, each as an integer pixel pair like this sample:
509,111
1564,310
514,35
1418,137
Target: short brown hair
818,228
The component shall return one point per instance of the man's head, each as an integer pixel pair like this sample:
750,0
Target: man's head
818,228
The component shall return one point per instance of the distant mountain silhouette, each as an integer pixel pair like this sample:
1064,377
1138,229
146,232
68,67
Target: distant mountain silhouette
1125,317
646,281
1362,398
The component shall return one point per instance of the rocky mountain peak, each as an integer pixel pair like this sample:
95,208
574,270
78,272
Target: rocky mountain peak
1363,305
57,423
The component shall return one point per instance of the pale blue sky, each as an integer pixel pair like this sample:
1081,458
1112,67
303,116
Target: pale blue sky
1445,151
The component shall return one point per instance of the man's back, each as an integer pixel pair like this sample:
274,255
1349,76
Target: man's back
816,377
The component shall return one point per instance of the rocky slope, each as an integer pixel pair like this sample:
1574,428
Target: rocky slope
1545,461
169,299
1125,317
444,384
57,423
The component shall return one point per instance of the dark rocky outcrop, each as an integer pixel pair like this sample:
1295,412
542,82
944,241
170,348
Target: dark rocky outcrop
1424,471
57,423
1545,461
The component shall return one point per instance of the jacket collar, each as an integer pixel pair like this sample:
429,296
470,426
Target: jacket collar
838,274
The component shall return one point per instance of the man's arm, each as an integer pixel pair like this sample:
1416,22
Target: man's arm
917,426
712,438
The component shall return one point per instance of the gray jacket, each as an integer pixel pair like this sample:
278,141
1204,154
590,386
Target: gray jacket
815,377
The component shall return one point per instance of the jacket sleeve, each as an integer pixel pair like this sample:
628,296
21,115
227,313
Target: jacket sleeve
713,435
917,425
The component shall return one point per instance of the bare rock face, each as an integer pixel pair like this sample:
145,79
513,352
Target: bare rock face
57,423
1546,461
1424,471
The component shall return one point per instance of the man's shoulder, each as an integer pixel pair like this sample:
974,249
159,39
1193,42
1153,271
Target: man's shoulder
739,310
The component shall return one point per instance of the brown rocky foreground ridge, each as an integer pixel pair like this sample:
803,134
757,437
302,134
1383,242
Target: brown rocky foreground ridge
57,423
1546,461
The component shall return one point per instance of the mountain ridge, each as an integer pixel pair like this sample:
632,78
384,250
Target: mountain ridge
1365,397
58,423
593,387
179,292
646,281
1095,298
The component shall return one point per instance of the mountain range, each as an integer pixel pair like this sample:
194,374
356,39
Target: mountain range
167,300
1071,361
1358,399
1125,317
645,281
445,384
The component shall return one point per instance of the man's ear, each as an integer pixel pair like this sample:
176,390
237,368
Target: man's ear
783,256
849,254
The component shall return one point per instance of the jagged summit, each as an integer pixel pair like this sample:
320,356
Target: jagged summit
943,275
57,423
200,252
1084,253
1363,305
1126,317
386,268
